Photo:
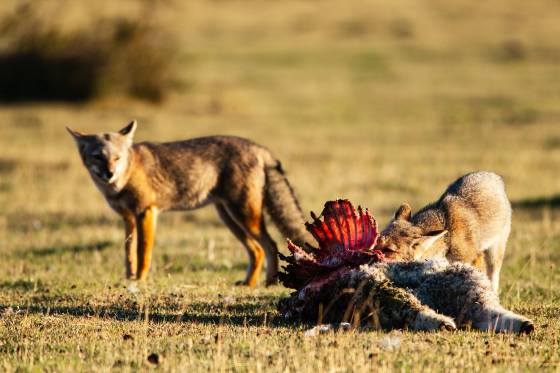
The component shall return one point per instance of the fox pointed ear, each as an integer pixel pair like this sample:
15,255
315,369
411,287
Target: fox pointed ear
78,138
428,239
75,134
404,212
129,130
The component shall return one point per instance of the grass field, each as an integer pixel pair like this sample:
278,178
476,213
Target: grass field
380,102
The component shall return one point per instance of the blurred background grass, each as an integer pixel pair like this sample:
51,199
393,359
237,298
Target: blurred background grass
377,101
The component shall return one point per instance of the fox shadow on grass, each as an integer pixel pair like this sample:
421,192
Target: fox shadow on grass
79,248
255,312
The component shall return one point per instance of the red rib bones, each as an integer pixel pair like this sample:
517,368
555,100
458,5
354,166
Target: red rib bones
346,238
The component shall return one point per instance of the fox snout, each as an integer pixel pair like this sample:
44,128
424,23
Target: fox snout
389,250
107,175
105,172
112,171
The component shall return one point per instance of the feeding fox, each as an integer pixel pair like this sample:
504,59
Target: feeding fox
470,223
239,177
348,277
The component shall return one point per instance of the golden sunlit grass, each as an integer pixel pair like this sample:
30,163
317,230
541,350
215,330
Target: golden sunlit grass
380,102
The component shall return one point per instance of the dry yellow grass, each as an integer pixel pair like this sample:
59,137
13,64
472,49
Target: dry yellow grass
380,102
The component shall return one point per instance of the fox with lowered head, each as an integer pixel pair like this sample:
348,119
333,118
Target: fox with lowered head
237,176
470,223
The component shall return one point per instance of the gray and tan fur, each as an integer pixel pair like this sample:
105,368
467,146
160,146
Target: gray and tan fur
419,295
470,223
239,177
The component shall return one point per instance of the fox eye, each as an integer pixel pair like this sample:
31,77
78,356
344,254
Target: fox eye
117,158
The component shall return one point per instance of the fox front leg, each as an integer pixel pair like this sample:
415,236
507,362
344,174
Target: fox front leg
130,256
146,225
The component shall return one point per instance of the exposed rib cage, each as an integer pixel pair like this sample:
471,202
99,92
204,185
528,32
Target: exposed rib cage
346,237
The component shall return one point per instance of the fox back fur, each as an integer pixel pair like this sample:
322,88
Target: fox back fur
470,223
236,175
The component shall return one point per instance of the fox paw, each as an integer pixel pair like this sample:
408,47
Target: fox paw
245,283
272,282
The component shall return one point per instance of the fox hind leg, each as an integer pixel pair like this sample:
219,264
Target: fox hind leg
271,251
244,207
253,248
252,220
493,258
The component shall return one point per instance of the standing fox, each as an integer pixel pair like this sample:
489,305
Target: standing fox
238,176
470,223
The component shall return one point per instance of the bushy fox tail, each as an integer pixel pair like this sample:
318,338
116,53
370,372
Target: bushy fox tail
283,206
